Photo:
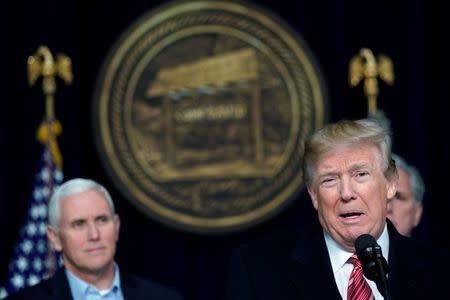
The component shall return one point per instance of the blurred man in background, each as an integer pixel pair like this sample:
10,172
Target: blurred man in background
405,210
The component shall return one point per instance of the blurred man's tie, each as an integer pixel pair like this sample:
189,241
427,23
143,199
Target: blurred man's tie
358,288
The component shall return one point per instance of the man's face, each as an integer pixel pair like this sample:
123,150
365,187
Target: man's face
88,232
350,193
403,210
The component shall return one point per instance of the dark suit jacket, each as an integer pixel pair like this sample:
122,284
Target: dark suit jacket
297,266
133,288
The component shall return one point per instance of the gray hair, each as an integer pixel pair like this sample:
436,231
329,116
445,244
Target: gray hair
71,187
416,181
348,133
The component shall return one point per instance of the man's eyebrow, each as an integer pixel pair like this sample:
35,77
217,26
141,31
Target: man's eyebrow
327,173
358,166
77,220
353,166
104,216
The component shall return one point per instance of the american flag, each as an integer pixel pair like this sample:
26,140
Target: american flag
33,259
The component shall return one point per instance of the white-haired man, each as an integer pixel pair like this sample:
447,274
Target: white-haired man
405,210
84,227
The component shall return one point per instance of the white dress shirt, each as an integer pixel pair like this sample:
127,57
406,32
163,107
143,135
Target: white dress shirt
342,269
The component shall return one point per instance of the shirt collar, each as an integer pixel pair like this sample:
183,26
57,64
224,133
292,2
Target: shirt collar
80,288
339,256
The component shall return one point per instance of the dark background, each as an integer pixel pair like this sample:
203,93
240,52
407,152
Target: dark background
413,33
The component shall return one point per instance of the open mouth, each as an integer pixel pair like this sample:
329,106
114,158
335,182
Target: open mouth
350,215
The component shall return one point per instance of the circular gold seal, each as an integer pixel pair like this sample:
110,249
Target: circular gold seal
201,110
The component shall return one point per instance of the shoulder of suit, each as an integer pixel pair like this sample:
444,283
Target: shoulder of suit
31,292
47,287
411,248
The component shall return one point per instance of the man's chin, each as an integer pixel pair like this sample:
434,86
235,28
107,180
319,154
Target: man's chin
353,234
99,267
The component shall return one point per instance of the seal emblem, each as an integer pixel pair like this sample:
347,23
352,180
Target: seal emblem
201,109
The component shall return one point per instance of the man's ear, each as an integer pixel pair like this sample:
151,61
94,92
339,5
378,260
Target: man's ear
117,225
418,213
54,238
313,195
391,189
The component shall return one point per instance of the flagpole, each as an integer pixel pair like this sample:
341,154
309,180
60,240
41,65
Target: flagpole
33,259
43,64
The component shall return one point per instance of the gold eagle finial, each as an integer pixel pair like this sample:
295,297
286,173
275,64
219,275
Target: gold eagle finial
365,66
42,64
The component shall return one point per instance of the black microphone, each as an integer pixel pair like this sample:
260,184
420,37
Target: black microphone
373,263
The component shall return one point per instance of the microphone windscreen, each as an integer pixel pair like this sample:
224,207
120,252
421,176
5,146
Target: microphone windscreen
374,265
363,242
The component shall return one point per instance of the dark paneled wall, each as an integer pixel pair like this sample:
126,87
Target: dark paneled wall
412,33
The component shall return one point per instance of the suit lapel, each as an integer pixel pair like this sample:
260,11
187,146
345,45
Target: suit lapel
404,269
58,286
310,269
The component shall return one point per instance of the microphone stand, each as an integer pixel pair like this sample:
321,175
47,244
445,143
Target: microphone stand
382,284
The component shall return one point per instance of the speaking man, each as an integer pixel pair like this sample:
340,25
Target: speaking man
350,177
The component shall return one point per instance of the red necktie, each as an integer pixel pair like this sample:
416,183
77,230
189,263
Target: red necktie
358,288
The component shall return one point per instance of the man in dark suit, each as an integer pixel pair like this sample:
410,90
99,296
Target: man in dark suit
350,178
83,225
